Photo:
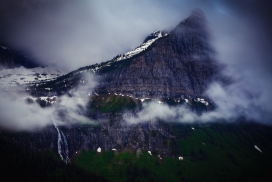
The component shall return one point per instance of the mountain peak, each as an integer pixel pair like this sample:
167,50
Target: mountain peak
197,20
177,64
198,13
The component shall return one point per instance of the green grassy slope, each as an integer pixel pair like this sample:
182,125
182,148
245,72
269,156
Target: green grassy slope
113,103
214,152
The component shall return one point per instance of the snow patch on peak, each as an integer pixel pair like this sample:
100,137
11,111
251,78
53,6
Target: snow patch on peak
148,41
155,35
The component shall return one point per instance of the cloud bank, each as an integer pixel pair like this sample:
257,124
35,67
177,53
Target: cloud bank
19,115
233,103
70,34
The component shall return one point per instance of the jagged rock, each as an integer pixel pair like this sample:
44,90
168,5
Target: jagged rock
180,63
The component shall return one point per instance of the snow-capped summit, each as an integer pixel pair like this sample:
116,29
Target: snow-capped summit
144,46
147,42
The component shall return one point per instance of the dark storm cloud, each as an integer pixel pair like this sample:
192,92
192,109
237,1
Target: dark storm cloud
70,33
77,33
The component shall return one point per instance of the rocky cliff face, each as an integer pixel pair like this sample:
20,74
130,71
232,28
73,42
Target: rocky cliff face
116,134
178,64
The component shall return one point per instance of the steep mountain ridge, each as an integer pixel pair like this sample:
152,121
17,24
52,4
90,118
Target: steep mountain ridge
178,64
174,66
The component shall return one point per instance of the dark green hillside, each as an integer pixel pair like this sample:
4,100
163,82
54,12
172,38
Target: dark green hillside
212,152
112,103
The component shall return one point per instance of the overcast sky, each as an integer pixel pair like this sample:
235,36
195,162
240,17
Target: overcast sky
72,33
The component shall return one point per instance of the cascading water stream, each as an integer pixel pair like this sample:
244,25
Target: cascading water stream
62,144
65,147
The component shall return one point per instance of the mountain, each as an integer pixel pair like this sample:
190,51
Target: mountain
172,68
176,64
17,70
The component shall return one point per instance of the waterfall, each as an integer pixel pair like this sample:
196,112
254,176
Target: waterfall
62,144
65,147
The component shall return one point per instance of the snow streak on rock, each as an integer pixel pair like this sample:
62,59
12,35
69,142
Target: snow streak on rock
156,35
257,148
147,43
